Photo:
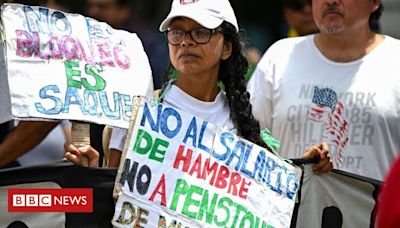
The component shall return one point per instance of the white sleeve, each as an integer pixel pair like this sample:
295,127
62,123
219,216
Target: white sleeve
118,137
260,88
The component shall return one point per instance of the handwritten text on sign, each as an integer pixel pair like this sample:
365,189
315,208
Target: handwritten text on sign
66,66
180,169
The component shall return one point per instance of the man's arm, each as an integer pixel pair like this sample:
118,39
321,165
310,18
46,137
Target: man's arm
26,136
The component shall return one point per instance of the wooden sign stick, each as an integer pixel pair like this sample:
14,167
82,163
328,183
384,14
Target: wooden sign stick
80,133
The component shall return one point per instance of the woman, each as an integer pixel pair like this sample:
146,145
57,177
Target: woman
204,48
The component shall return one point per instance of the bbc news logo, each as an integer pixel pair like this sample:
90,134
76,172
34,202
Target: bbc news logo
50,200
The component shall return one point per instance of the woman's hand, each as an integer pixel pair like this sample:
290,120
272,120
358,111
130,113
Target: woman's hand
84,156
320,151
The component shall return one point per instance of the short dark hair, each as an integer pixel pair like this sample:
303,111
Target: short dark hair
296,5
374,19
123,3
31,2
62,3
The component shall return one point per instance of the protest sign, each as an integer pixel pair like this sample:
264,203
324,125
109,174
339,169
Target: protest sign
179,169
67,66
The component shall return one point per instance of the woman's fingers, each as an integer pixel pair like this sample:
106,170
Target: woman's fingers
324,165
82,156
91,154
72,158
322,151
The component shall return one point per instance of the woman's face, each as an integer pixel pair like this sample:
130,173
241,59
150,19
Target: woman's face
190,57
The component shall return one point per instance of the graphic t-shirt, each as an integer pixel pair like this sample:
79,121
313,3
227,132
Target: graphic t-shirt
305,98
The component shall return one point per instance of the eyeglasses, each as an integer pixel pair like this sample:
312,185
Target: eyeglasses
296,5
198,35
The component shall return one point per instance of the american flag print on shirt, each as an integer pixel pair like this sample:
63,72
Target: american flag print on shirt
326,108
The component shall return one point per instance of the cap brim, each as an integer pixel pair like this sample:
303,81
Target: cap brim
207,21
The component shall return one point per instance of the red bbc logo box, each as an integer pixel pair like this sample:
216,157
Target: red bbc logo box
50,200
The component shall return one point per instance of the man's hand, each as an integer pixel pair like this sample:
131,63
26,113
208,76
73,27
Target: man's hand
320,151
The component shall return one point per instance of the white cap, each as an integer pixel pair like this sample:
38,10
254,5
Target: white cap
208,13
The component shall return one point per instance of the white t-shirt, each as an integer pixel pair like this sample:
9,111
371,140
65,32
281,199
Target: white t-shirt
5,100
305,98
215,112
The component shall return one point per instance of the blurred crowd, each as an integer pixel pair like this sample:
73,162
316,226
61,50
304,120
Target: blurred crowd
259,27
143,19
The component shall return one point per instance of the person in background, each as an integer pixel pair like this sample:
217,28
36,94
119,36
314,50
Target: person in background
340,86
120,15
114,12
51,148
298,16
253,55
205,48
388,210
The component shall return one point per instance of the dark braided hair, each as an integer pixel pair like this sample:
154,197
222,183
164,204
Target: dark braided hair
232,75
373,20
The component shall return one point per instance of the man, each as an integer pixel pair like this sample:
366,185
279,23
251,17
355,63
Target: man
115,12
298,15
119,14
341,86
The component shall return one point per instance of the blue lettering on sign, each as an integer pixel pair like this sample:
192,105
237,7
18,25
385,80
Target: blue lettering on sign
224,137
72,97
237,153
126,104
43,94
201,145
292,184
155,126
162,120
91,101
105,106
245,159
259,167
272,171
191,132
39,21
170,112
88,102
